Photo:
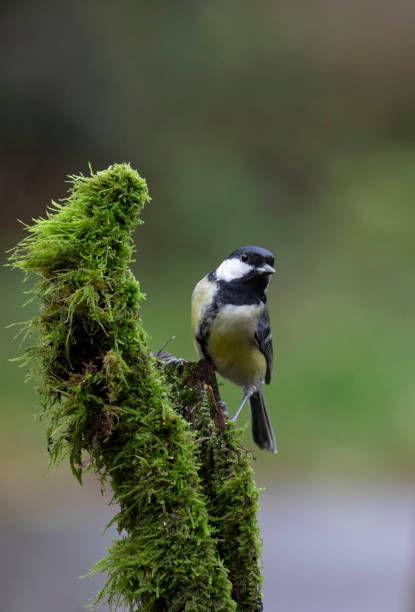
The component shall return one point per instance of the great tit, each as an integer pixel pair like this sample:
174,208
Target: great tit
231,328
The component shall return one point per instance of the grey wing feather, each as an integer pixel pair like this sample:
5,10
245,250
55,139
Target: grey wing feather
263,339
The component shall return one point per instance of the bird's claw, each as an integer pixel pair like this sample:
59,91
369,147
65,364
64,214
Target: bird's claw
224,408
177,362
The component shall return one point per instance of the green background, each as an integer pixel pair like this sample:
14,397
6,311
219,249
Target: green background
287,125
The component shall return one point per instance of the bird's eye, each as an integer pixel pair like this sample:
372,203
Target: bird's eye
244,258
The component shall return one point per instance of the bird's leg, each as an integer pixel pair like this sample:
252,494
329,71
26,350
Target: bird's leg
247,395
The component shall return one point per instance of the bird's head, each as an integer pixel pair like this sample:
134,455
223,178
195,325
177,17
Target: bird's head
246,263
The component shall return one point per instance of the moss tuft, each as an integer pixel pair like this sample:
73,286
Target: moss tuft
187,501
227,480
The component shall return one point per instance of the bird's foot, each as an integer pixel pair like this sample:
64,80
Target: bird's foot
223,407
176,362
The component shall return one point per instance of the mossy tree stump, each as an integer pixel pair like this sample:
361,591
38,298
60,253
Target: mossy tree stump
189,538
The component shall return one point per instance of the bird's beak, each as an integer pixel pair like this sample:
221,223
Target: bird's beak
266,269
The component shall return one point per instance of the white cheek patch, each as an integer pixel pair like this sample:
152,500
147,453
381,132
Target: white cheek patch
230,269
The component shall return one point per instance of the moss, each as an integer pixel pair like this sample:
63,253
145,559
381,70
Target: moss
187,502
227,477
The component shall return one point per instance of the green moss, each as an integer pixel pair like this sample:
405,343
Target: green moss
227,477
186,495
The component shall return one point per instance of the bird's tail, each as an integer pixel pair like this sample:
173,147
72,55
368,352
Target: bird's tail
262,431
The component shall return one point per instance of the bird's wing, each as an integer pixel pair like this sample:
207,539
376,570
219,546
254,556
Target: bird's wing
263,339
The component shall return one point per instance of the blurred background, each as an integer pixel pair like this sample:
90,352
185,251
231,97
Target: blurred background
289,125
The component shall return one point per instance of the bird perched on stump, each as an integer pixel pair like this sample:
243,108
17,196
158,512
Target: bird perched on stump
231,328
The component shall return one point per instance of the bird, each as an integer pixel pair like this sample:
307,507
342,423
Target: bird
231,328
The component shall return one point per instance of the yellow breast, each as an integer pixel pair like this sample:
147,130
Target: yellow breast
232,345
